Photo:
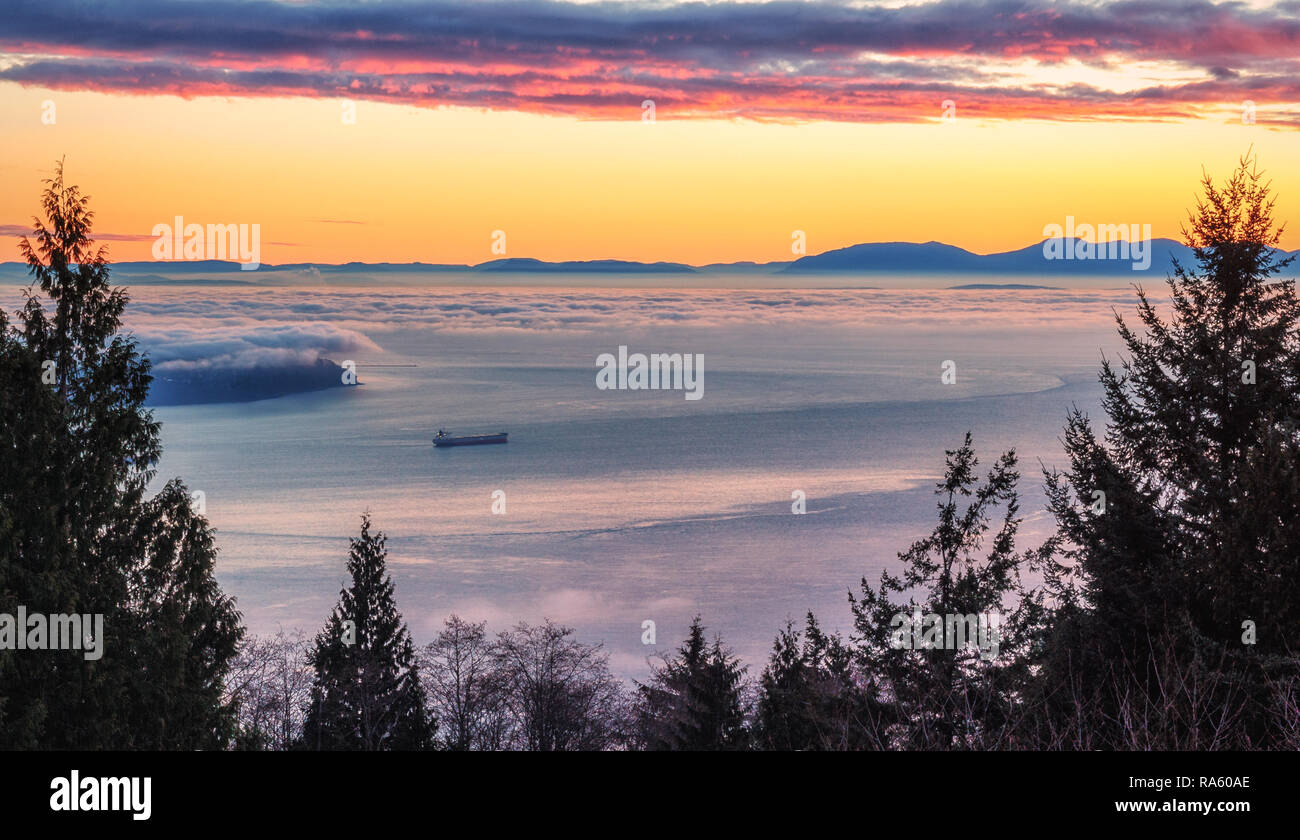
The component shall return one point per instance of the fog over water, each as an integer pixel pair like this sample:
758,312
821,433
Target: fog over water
621,506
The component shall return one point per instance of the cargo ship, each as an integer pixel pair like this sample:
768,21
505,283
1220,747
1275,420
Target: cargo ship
444,439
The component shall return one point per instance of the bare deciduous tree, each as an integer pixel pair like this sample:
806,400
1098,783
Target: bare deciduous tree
559,691
270,686
458,676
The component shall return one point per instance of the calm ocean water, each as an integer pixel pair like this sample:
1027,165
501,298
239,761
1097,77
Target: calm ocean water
621,506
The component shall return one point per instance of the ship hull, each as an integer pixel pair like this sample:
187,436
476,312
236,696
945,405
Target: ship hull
470,440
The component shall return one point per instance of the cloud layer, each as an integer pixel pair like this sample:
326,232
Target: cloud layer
781,60
252,324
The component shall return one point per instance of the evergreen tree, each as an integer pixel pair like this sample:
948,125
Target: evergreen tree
694,701
1198,526
936,686
367,694
78,534
808,699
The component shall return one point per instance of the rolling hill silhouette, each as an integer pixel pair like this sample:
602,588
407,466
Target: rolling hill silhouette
865,258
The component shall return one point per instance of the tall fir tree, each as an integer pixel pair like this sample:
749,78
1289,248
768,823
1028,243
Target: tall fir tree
78,532
695,700
1181,525
367,694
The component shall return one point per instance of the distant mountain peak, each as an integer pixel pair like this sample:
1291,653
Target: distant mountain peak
896,257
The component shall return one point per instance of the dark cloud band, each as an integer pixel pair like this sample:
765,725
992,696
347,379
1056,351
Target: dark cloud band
775,60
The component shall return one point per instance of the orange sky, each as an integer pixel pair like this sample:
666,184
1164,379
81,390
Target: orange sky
432,184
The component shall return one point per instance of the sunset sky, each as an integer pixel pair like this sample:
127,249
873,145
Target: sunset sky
527,117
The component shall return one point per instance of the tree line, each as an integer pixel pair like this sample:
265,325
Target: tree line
1156,616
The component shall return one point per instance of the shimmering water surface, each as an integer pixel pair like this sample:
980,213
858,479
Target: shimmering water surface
621,506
